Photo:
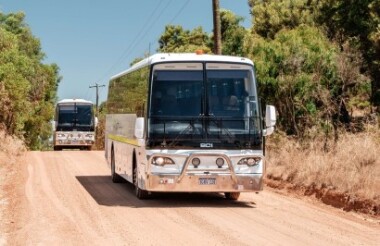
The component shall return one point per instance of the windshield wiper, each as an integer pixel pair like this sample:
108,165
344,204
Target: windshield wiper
219,125
186,130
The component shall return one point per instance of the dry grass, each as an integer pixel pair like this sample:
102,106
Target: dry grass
351,166
10,149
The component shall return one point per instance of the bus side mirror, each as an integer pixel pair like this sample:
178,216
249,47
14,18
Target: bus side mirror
270,120
139,127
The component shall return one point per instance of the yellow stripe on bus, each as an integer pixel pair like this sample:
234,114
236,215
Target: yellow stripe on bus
123,139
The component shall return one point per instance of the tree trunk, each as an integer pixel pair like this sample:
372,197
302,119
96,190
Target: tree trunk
217,29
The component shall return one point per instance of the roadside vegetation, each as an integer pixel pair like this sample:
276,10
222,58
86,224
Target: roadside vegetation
10,149
28,87
318,63
350,167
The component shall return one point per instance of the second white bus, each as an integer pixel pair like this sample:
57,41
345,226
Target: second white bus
75,124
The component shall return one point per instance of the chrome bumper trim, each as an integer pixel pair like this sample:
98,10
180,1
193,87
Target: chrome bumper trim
190,183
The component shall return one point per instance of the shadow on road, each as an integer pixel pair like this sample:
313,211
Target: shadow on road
107,193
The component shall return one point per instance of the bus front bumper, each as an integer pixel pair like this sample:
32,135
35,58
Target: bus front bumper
74,142
205,183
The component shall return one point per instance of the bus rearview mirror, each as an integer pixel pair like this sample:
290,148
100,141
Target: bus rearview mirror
96,121
270,120
139,127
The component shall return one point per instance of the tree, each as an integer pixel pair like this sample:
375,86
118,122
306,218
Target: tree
271,16
233,34
27,86
308,77
358,21
176,39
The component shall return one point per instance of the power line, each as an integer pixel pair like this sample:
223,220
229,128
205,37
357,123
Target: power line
144,31
86,95
126,51
180,11
171,21
152,23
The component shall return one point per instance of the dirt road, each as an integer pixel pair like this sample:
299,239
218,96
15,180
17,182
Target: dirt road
67,198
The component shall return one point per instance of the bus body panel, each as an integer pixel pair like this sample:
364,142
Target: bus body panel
119,129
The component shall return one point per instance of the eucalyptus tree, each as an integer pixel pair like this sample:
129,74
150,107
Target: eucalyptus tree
176,39
309,77
233,33
359,22
28,87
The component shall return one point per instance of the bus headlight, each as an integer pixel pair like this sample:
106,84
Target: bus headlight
161,161
196,162
220,162
61,135
250,161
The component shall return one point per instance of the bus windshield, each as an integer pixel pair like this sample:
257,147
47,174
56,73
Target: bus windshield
212,104
71,117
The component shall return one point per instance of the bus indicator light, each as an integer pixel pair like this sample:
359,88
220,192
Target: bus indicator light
199,52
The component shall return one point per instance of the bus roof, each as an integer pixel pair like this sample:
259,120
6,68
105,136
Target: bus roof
183,57
72,101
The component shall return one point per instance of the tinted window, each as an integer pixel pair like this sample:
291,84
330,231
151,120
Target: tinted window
176,93
75,116
229,92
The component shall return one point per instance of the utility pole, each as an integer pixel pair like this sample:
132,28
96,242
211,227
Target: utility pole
97,95
217,31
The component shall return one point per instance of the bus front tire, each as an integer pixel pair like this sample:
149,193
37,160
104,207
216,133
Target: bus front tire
140,193
234,196
57,148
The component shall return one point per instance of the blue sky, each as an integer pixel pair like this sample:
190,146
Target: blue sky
91,40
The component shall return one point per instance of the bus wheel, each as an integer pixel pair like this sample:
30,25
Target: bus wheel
140,193
115,177
234,196
57,148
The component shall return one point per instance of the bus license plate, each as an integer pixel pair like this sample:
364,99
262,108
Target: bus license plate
207,181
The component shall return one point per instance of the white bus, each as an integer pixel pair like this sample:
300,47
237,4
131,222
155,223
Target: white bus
74,125
187,123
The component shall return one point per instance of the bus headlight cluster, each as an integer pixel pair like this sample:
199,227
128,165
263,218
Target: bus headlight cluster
161,161
61,135
250,161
